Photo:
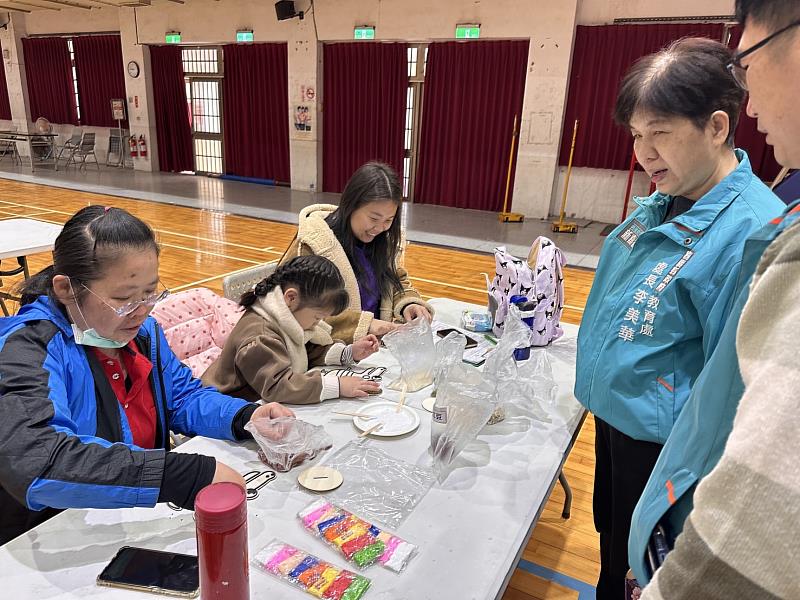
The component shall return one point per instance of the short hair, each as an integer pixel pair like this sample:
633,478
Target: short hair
773,14
689,78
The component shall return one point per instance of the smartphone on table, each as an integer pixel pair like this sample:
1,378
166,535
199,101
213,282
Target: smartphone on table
154,571
471,342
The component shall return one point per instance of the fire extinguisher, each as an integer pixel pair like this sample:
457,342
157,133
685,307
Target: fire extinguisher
142,147
134,147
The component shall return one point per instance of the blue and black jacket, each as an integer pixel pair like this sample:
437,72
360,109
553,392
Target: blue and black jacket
66,443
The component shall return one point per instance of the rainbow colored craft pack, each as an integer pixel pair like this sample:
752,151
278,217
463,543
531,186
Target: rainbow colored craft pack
360,542
309,573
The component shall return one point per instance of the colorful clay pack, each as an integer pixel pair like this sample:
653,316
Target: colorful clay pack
309,573
360,542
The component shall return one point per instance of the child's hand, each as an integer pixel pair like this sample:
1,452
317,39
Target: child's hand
366,346
356,387
381,328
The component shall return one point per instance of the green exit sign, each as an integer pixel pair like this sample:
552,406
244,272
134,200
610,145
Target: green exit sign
468,32
364,33
244,36
173,37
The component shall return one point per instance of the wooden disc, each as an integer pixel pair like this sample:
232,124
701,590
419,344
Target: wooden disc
428,403
320,479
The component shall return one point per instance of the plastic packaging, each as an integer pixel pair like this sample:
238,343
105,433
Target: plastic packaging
377,486
309,573
526,385
412,346
360,542
464,403
220,513
286,442
476,320
449,352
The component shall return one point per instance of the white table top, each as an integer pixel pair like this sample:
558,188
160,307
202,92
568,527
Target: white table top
21,237
470,528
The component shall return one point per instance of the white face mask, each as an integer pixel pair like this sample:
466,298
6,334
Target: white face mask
90,337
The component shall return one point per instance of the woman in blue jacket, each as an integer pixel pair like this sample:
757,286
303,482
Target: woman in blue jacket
89,388
667,275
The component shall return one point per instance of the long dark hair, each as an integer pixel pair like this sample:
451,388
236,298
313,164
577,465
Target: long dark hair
93,238
689,79
316,278
372,181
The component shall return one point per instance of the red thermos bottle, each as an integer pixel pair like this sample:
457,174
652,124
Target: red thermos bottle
221,518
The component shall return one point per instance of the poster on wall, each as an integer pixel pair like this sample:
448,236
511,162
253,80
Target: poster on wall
302,118
303,113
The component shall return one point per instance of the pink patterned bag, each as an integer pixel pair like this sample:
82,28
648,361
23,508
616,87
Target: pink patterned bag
540,278
196,323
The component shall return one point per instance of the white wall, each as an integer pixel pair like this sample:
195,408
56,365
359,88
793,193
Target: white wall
599,12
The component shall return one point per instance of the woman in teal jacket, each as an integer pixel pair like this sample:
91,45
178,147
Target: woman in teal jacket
89,388
667,275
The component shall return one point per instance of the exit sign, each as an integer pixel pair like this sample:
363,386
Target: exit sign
173,37
245,35
364,33
464,32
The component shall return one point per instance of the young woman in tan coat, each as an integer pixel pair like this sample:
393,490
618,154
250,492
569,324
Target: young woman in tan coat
282,334
363,238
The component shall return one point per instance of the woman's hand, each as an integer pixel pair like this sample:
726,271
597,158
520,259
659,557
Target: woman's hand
356,387
412,311
366,346
271,410
381,328
224,473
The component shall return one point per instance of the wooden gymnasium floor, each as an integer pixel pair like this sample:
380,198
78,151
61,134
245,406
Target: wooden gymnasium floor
200,247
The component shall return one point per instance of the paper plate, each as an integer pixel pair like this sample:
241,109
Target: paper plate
428,403
394,422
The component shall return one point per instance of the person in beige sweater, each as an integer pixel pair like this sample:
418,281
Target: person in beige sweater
742,537
363,238
282,333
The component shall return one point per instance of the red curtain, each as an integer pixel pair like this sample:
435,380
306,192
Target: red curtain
749,138
48,69
256,113
5,106
174,134
472,92
601,57
99,64
365,87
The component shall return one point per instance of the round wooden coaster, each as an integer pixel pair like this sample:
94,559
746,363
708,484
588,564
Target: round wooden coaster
320,479
428,403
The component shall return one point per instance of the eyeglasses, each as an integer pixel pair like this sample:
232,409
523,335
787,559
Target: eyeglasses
738,70
131,307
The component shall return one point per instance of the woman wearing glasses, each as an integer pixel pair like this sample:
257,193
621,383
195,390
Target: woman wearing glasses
89,389
666,277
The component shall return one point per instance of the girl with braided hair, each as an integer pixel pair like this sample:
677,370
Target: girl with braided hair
283,333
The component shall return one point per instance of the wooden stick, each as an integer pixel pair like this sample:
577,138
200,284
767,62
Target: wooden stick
371,430
402,398
353,414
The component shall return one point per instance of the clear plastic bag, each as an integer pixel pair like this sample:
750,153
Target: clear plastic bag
464,403
360,542
377,486
309,573
522,385
449,352
412,346
286,442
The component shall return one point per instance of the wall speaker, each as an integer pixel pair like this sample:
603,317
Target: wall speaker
284,9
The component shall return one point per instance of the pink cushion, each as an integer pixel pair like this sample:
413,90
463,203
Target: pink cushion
196,323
